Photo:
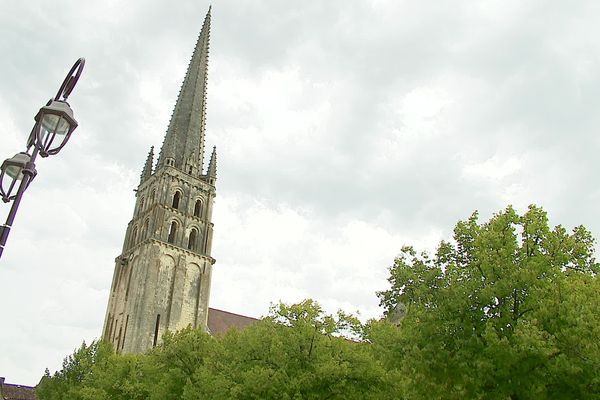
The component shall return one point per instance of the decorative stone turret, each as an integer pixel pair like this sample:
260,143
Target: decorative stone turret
162,276
147,171
211,172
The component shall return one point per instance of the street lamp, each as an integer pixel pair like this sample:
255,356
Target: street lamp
54,124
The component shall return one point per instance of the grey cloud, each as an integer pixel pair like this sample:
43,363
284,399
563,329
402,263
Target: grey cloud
522,81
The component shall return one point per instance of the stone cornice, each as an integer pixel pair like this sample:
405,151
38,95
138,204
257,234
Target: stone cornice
125,256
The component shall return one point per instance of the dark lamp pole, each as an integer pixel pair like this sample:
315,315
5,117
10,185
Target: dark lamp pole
54,124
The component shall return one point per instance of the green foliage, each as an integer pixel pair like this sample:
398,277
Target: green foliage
297,352
506,311
76,370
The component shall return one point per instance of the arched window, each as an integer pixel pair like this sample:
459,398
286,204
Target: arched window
198,208
192,239
153,196
145,229
172,232
141,208
176,198
133,237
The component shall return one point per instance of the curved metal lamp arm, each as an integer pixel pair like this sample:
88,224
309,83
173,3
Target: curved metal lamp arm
70,80
61,110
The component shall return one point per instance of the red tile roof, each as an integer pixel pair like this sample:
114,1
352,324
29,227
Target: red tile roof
8,391
220,321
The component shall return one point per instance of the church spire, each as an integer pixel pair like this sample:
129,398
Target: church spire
147,171
184,141
167,247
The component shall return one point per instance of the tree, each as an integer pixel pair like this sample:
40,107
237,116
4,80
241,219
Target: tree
177,360
298,352
508,310
76,368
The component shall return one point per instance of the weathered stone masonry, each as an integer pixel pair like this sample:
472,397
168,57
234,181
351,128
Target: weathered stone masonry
162,277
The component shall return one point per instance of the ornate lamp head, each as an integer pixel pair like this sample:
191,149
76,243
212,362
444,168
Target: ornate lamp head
12,172
54,123
53,128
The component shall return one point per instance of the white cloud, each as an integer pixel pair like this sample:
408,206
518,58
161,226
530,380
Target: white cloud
269,253
495,168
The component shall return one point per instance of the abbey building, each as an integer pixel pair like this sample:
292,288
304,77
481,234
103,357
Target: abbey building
162,277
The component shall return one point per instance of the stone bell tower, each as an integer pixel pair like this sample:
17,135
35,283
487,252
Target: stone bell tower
162,277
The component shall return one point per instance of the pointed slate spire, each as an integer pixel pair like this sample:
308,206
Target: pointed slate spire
185,135
211,172
147,171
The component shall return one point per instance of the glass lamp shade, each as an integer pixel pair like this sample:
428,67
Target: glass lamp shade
12,168
53,128
58,124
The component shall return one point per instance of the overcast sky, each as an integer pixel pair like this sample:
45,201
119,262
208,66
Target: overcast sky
344,130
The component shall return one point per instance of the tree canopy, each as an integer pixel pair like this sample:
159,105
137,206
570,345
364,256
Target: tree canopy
508,309
297,352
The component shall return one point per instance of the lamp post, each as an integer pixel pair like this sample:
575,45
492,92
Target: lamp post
54,124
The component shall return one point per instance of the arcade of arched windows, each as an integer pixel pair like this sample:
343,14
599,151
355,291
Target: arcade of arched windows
176,200
176,234
175,231
193,205
146,200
